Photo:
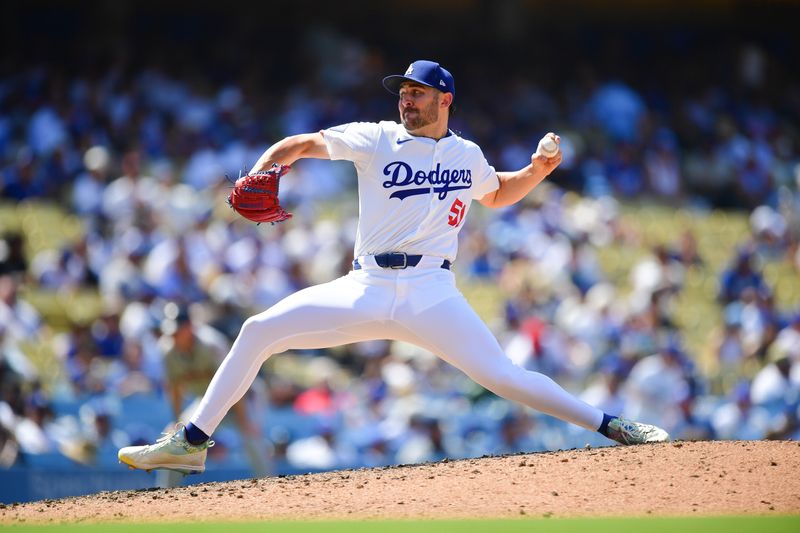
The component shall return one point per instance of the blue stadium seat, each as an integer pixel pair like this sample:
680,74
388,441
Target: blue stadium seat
151,410
48,461
67,406
296,425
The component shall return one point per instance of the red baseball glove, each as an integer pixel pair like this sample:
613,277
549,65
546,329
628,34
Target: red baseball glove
255,196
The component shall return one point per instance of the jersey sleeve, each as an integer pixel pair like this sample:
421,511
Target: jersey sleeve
356,141
486,180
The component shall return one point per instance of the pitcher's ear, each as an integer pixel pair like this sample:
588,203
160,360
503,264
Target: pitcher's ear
446,99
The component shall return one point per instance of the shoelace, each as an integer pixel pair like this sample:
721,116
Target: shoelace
167,436
635,431
641,431
629,429
164,437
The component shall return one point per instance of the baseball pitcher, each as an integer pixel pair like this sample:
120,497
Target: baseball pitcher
417,181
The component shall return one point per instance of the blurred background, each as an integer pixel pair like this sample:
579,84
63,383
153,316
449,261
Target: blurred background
655,274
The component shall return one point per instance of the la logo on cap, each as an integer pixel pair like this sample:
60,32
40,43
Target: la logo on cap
410,70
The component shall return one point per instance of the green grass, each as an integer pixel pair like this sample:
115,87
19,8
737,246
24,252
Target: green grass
779,524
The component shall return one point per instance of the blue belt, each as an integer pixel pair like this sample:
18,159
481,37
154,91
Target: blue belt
398,260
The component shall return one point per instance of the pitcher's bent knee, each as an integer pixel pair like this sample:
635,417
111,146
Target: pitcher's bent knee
253,337
260,334
258,326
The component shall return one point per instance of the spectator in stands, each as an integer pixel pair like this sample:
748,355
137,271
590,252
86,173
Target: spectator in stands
173,279
662,168
691,424
87,192
9,448
79,353
770,233
126,195
753,181
738,419
625,171
21,320
788,338
657,383
192,353
12,254
728,346
107,336
190,361
606,388
422,442
100,438
740,276
687,250
130,375
33,430
516,434
23,179
325,451
774,385
618,109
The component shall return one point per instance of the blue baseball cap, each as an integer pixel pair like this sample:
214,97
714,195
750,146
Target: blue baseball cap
424,72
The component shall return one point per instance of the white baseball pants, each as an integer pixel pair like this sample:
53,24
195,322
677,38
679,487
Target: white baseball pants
419,305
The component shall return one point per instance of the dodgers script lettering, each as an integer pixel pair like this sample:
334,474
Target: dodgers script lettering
441,180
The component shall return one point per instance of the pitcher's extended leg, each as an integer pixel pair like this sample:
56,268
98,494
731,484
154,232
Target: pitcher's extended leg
453,331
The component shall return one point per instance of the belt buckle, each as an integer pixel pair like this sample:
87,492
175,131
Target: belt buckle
405,261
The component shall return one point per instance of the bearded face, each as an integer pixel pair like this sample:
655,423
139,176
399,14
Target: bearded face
418,107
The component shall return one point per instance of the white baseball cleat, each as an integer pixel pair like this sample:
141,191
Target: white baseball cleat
170,452
629,432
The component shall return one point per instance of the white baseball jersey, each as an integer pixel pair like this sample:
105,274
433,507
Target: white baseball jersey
414,192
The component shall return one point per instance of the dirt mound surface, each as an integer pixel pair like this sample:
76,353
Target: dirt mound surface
674,479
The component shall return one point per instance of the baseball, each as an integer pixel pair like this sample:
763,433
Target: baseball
548,147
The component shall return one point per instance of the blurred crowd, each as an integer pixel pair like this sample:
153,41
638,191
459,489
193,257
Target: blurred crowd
142,156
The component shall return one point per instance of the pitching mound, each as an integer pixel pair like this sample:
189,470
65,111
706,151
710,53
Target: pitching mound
676,479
